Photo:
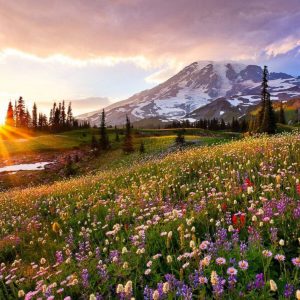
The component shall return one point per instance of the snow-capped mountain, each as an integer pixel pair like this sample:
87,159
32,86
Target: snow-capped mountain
186,94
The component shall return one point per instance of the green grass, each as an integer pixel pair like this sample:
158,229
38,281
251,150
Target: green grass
80,138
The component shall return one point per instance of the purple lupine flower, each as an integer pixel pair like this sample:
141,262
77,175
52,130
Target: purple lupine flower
194,279
59,257
228,218
235,237
185,291
259,281
148,293
102,272
218,288
243,247
274,232
232,279
85,278
296,212
288,291
97,253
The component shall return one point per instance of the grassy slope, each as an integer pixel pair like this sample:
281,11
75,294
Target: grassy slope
78,138
194,182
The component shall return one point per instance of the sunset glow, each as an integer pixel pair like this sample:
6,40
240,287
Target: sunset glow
90,53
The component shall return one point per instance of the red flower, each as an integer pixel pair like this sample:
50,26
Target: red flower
248,182
223,206
239,220
298,188
234,219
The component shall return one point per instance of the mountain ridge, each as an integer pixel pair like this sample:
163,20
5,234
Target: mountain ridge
198,85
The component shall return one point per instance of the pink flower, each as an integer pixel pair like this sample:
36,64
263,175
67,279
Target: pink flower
243,264
279,257
296,262
231,271
221,261
202,280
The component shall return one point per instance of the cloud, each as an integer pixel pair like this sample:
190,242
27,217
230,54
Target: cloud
283,46
146,32
55,49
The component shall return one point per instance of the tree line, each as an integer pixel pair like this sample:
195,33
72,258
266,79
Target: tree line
236,125
60,117
104,144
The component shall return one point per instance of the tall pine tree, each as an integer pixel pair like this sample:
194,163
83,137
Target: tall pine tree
281,117
9,121
266,116
20,114
128,146
70,116
34,117
104,141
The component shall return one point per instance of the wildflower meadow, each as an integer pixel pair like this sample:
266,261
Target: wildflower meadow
213,222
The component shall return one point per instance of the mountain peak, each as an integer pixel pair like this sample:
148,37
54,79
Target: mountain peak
200,84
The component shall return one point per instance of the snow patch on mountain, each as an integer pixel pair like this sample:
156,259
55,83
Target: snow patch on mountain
198,85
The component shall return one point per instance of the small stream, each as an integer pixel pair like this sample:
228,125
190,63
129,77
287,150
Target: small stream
25,167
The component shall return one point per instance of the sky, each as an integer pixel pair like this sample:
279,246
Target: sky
71,49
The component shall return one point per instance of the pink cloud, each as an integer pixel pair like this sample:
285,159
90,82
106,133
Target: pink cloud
158,30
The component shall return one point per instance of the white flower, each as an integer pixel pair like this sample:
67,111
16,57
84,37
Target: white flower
166,287
120,288
92,297
148,271
169,259
155,295
128,287
273,286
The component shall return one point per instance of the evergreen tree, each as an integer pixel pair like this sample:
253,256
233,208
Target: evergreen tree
127,146
266,117
34,117
63,114
51,117
297,113
117,138
70,116
27,120
142,147
60,115
281,117
104,141
180,139
269,121
94,143
56,120
264,95
9,121
20,114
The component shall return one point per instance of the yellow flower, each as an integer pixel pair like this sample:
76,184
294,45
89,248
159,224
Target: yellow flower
55,227
21,293
298,294
214,278
120,288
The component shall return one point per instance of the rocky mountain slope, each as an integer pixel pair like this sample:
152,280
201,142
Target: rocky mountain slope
203,89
